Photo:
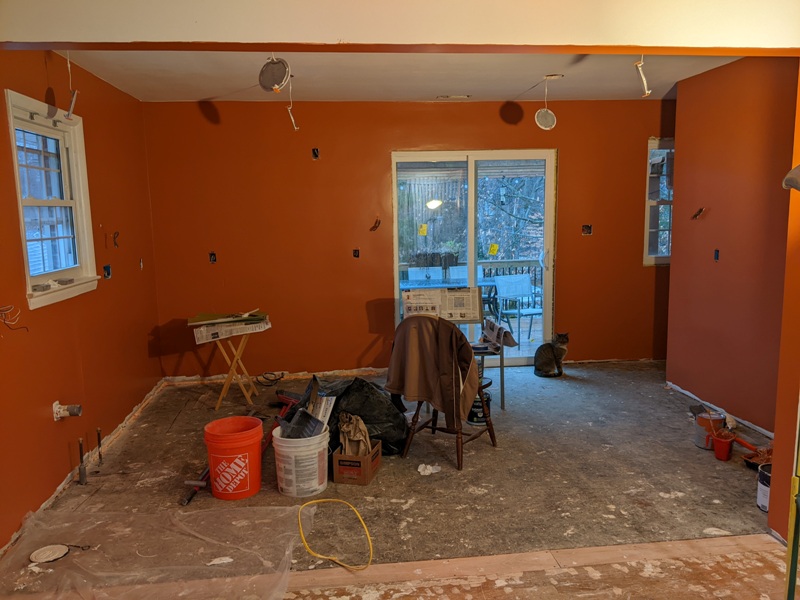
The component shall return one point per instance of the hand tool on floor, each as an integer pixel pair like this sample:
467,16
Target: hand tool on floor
81,467
287,400
99,447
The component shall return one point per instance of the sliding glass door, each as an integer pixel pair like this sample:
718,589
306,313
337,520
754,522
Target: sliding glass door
480,219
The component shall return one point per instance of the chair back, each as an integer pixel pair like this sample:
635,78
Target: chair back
513,286
422,273
432,361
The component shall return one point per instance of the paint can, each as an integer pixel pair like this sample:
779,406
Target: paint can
234,456
476,416
762,494
301,463
704,424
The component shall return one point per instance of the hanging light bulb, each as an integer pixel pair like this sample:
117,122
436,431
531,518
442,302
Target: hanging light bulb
433,204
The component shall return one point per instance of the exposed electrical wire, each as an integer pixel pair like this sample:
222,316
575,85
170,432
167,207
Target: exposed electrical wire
639,64
534,86
291,102
68,114
269,378
9,315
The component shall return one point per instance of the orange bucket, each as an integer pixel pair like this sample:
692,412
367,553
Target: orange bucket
234,456
722,446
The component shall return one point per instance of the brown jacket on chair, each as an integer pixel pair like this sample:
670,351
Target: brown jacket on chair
432,361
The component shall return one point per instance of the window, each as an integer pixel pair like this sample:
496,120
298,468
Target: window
658,210
53,198
464,217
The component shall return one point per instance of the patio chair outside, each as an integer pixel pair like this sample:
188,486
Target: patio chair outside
516,298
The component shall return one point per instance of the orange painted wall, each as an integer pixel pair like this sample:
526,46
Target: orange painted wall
93,349
234,178
789,364
735,127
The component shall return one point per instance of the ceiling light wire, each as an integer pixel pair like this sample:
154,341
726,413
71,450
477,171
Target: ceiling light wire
74,92
545,92
639,64
291,103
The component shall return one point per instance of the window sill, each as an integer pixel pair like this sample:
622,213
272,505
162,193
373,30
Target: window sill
57,293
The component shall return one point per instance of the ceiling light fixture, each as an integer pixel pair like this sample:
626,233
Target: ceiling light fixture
433,204
545,118
639,64
274,75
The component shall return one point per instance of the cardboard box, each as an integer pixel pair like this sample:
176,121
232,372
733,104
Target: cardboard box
358,470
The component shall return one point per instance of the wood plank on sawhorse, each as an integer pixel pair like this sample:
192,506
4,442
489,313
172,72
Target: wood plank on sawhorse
243,379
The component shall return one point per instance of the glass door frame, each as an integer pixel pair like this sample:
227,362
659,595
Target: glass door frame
470,157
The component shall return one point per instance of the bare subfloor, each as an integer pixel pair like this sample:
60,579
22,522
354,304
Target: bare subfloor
603,456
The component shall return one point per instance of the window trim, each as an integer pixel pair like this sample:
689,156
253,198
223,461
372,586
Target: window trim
649,260
21,108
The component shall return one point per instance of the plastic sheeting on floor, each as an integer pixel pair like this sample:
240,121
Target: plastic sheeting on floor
242,553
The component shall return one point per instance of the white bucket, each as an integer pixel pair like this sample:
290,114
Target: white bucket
301,464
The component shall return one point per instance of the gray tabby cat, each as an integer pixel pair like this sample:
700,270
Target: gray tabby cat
548,357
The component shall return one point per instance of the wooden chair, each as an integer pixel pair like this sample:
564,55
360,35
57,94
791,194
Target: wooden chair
432,361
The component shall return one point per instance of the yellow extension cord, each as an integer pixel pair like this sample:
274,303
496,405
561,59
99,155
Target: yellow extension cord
333,558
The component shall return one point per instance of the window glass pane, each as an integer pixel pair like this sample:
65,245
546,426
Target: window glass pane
665,216
35,258
510,210
39,161
50,237
432,222
664,243
652,244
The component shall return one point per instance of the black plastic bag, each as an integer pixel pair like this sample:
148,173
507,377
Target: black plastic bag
385,420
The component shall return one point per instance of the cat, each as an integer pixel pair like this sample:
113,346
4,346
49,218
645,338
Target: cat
548,357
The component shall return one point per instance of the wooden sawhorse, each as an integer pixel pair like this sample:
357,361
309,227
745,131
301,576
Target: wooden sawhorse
243,379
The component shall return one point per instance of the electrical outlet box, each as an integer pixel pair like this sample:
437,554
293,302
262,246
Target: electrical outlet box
106,271
356,253
212,257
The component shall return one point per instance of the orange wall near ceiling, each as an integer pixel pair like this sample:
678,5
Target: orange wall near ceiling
735,127
236,179
93,349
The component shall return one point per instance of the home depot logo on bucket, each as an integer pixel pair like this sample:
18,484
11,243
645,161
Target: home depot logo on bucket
232,474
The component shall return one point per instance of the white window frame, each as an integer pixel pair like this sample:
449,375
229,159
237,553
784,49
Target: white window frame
650,259
38,117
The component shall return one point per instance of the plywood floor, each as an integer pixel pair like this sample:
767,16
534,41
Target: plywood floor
740,567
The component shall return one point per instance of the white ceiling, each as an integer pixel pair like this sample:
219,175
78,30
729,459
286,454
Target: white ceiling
179,76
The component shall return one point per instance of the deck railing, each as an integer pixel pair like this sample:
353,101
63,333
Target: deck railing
497,267
494,268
